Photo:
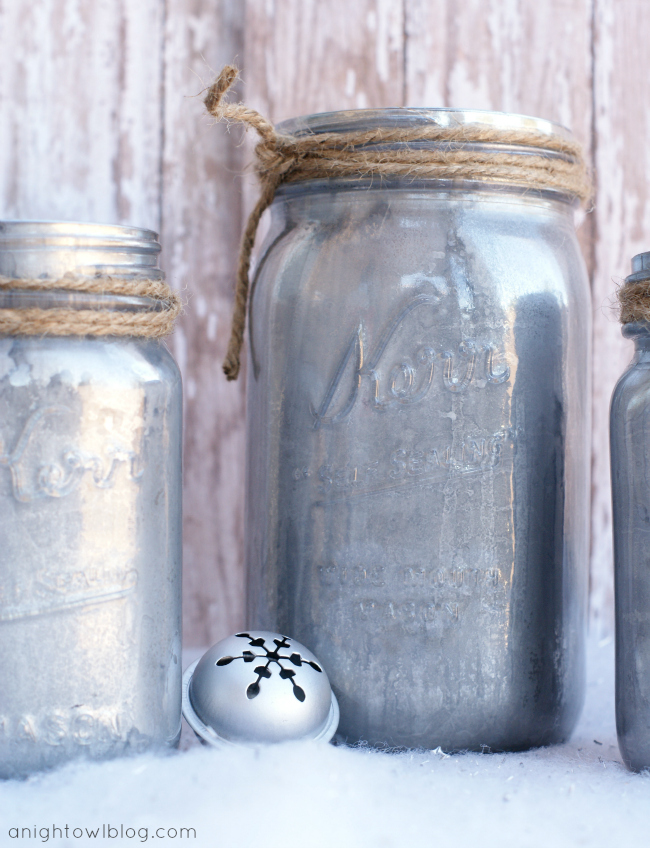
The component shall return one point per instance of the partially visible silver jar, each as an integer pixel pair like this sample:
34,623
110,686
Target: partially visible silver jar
90,512
630,457
418,437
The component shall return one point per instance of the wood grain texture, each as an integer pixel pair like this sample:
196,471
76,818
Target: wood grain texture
304,56
101,121
507,55
80,95
622,157
201,225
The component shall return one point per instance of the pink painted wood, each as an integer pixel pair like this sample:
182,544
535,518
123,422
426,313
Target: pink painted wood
102,120
201,223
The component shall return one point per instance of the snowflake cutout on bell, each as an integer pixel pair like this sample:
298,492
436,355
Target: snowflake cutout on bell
259,687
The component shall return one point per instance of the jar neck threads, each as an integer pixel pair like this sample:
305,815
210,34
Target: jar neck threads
93,279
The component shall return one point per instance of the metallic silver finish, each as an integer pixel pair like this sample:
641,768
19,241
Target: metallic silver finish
418,452
640,268
630,456
259,687
90,516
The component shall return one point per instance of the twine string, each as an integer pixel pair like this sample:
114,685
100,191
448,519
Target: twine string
634,301
550,163
68,321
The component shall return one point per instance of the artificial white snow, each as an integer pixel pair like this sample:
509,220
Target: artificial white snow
312,795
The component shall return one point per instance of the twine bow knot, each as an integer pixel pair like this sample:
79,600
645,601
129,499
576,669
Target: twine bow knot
456,152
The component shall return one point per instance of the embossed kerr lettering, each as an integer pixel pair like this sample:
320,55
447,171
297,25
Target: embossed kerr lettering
409,380
58,479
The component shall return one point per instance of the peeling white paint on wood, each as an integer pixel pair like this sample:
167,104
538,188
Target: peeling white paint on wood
80,99
300,55
201,223
101,120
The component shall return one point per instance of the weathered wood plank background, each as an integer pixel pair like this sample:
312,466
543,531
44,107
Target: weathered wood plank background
101,119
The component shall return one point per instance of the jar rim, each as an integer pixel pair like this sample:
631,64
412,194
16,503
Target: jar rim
52,249
640,269
351,120
641,264
76,233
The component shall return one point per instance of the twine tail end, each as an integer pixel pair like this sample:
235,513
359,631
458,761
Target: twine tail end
226,79
231,365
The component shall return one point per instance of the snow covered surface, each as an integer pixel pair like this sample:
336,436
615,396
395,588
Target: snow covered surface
306,795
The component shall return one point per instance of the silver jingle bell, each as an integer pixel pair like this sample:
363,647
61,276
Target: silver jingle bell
259,687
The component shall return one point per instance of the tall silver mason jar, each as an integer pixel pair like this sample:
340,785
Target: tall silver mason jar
630,457
90,513
418,447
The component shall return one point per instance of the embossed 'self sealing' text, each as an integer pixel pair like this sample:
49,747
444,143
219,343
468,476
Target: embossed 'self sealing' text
410,467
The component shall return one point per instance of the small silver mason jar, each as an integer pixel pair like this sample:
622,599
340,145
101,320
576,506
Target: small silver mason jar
630,457
90,506
418,446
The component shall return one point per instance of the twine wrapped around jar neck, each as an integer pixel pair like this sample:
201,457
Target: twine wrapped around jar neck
288,158
634,301
69,321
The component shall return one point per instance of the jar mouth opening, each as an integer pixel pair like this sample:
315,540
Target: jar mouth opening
52,249
407,118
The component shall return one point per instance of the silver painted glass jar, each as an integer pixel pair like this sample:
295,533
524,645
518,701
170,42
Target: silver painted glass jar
90,506
418,449
630,457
